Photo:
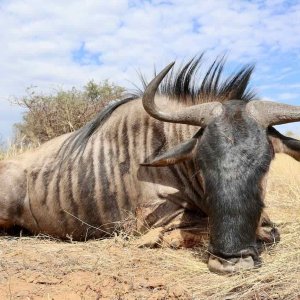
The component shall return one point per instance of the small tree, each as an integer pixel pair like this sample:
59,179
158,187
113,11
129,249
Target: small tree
51,115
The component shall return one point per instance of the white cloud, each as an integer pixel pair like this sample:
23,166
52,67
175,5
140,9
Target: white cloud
39,39
288,96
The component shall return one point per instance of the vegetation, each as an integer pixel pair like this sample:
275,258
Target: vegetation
50,115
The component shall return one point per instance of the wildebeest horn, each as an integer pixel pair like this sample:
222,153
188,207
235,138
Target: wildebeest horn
269,113
198,115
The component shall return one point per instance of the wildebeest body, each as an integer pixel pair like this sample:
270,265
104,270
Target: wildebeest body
106,184
200,153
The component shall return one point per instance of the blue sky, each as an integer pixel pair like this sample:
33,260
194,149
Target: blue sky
67,43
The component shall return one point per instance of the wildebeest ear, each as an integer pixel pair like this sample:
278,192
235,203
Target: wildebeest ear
284,144
175,155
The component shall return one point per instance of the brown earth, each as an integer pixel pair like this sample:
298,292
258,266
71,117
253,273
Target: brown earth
45,268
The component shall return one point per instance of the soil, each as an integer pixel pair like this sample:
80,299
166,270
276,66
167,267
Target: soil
41,268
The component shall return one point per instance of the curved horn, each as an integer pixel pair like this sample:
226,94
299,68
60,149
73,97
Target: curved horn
198,115
269,113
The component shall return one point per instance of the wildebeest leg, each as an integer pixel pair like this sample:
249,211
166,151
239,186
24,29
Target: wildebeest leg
186,230
152,239
187,237
266,230
189,230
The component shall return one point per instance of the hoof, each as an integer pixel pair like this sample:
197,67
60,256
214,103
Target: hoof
152,239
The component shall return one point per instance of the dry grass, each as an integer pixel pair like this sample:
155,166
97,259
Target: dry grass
41,268
13,150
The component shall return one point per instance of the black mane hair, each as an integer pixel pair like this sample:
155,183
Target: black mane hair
78,139
180,85
184,84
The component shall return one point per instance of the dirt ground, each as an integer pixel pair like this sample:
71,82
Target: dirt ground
45,268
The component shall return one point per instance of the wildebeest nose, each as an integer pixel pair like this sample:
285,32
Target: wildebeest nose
231,265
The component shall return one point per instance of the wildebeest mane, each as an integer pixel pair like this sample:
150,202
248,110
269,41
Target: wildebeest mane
179,85
78,139
184,83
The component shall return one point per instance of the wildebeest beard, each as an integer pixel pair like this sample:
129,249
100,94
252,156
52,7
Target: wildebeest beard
234,156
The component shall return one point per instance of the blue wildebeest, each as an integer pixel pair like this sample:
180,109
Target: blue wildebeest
194,152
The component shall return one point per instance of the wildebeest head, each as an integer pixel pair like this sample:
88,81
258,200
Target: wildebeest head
232,151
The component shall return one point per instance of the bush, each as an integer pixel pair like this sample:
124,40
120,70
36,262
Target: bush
48,116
